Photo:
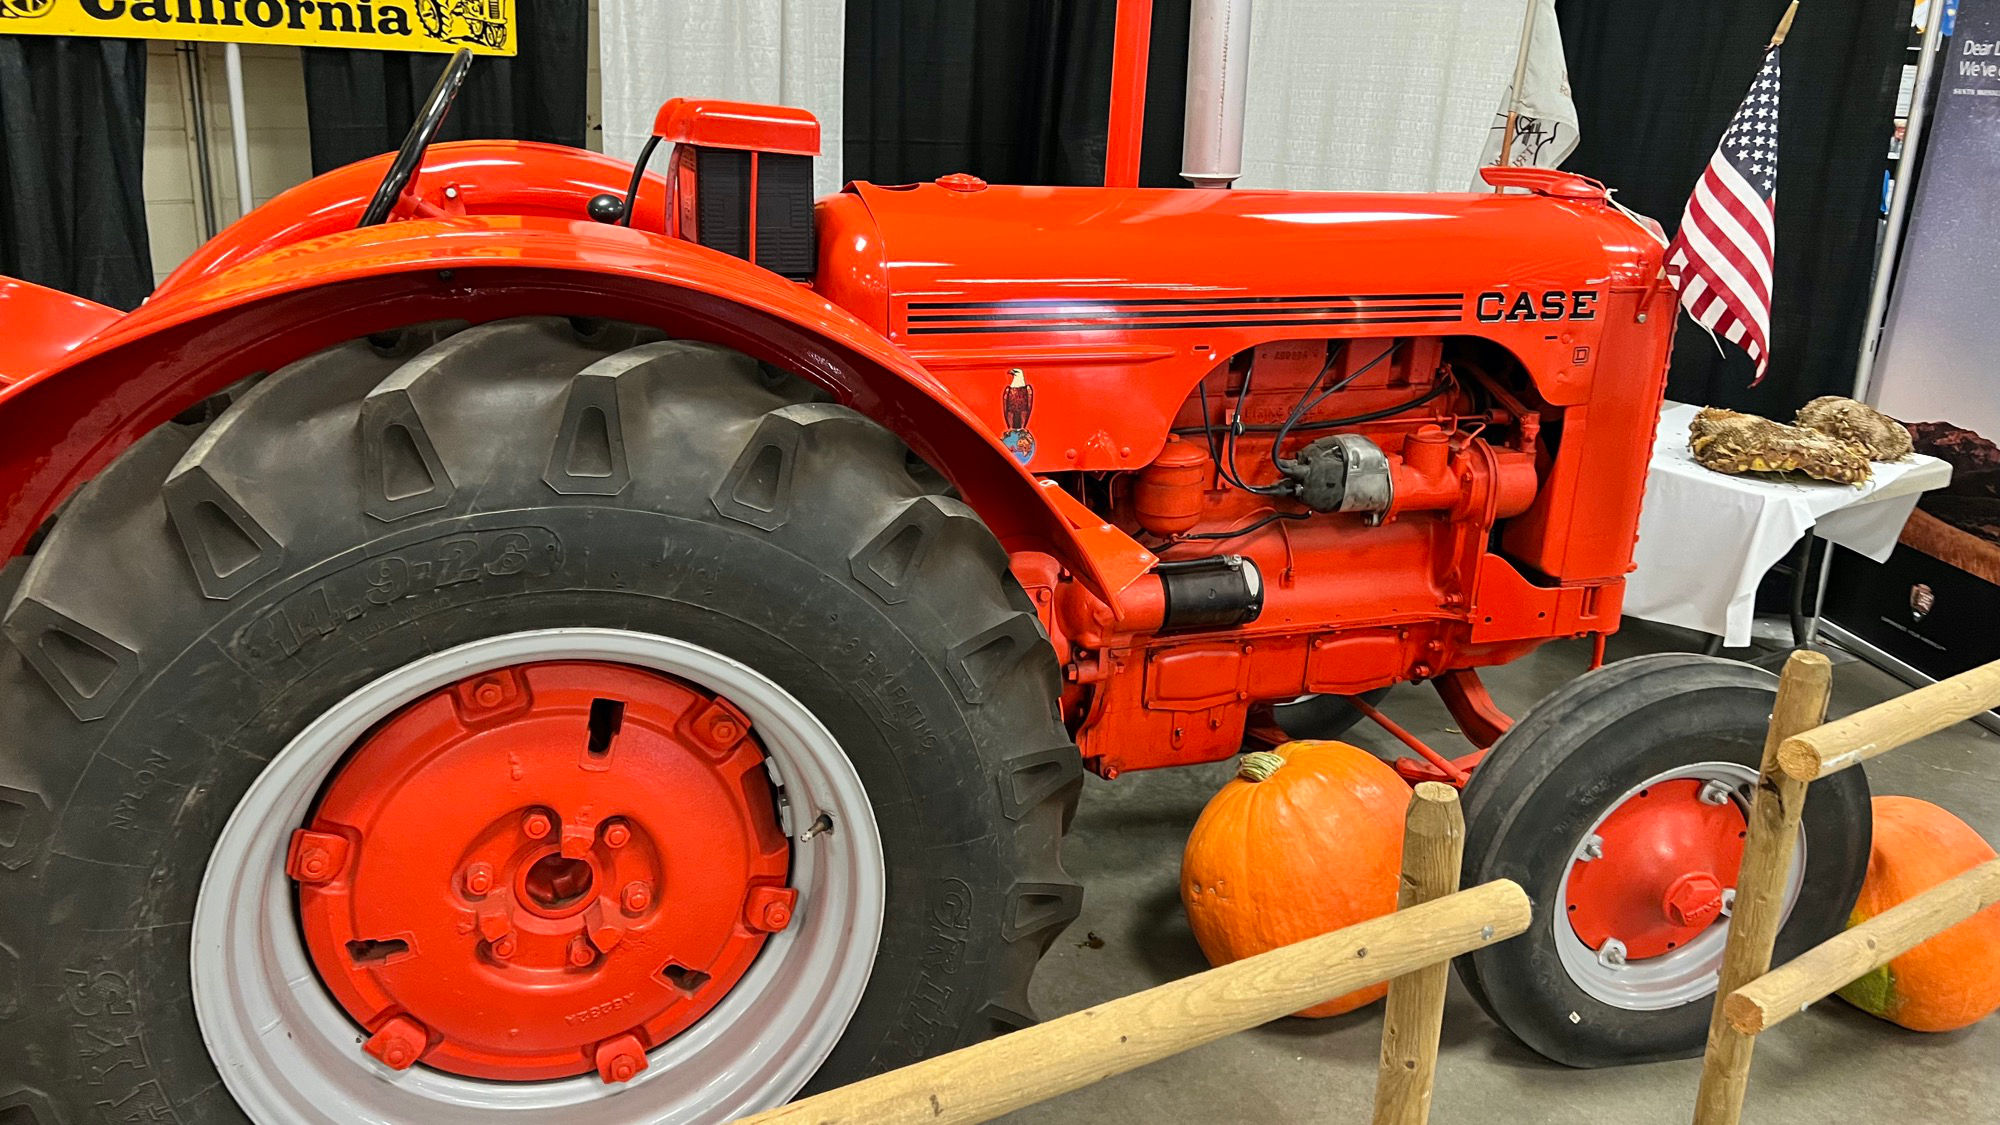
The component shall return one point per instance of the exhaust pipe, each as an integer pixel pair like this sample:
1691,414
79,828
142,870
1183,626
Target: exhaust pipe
1218,74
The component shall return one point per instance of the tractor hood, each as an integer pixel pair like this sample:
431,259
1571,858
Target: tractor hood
960,264
1114,302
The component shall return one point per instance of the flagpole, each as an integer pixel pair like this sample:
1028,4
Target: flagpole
1520,79
1784,26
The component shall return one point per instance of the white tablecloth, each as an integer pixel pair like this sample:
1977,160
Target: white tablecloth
1706,539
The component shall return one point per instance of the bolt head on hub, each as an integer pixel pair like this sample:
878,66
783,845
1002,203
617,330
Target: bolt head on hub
616,834
770,908
315,857
399,1042
637,896
620,1059
536,825
478,879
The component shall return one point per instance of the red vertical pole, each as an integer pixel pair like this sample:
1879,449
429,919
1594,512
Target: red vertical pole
1134,37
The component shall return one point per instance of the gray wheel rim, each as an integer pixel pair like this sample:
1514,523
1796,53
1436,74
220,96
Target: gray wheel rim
1680,976
288,1053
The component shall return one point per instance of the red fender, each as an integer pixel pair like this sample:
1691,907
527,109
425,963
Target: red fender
48,326
239,313
483,177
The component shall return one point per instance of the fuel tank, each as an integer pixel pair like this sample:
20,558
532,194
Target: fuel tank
1109,304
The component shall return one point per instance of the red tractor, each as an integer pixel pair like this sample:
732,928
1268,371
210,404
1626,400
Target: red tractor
501,631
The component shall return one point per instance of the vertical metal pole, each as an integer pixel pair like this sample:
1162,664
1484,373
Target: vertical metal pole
1899,203
198,116
1520,78
1218,76
1133,38
239,127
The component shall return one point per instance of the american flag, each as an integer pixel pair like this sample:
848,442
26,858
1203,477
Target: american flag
1721,258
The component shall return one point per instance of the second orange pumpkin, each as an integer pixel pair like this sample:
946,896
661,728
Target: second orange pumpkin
1307,838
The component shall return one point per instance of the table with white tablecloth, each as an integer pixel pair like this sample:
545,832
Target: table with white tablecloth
1707,538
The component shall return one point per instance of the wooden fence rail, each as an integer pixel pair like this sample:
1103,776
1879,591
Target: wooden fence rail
1799,748
983,1081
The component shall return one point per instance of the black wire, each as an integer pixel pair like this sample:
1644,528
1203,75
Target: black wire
1304,408
1351,420
638,174
1241,531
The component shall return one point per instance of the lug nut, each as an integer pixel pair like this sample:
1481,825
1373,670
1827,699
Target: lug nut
619,1059
725,731
616,834
502,947
315,857
536,824
478,879
489,694
637,896
399,1042
770,908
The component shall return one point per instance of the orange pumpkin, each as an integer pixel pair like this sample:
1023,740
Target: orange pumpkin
1306,839
1952,980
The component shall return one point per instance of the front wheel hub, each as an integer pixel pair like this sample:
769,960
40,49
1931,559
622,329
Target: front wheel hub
543,870
1652,875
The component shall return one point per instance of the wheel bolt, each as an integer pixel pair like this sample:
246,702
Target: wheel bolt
616,834
536,824
580,953
502,947
618,1060
725,731
1593,848
478,879
489,694
637,896
315,857
770,908
1611,954
1716,793
399,1042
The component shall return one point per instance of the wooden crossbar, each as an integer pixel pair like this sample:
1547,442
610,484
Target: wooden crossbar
983,1081
1847,957
1895,722
1799,748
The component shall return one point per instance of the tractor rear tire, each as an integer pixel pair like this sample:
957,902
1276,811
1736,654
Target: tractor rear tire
402,498
1628,734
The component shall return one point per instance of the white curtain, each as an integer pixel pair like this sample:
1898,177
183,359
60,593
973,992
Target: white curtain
780,52
1368,95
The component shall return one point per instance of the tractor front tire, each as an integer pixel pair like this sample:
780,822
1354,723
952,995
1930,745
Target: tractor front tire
570,493
1620,804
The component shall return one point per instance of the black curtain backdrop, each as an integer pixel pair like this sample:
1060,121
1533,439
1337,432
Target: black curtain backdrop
1655,85
361,103
1013,91
72,137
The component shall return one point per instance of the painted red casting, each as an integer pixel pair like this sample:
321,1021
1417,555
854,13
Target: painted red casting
1667,856
543,871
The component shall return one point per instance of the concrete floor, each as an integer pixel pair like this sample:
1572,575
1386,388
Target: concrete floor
1831,1064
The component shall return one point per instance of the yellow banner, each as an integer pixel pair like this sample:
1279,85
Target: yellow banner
486,26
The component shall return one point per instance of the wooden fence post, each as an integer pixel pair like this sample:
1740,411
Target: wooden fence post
1803,689
1433,850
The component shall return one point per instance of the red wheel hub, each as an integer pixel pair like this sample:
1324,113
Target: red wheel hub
1666,859
542,871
